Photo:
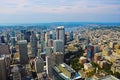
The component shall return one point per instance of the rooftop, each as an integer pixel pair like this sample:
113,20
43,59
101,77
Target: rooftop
22,42
64,70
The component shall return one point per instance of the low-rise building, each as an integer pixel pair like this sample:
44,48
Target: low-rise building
87,66
82,60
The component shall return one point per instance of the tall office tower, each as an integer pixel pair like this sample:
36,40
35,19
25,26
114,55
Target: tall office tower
38,35
33,42
13,41
49,51
52,35
60,33
50,43
42,40
4,49
27,36
71,35
13,38
3,72
7,37
39,65
16,73
47,37
58,46
13,34
23,51
87,40
58,58
43,36
22,35
90,52
2,40
50,63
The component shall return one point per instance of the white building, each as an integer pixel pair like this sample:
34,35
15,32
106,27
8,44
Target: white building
60,33
58,46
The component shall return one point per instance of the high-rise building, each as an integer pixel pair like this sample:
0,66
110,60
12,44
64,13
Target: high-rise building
42,40
58,46
50,43
27,36
90,52
58,58
7,37
16,73
39,65
47,37
71,35
33,42
13,41
2,69
60,33
23,52
49,65
4,49
49,51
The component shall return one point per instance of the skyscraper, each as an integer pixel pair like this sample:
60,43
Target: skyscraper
39,65
58,46
60,33
4,49
13,41
42,40
2,69
58,58
33,42
90,52
23,52
71,35
49,65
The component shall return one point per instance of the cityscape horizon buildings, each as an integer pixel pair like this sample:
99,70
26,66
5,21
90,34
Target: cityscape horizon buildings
60,40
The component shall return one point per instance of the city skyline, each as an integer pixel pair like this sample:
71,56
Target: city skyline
39,11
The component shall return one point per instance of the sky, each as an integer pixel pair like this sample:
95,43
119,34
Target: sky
42,11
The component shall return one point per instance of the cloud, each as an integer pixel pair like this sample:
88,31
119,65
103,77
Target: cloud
58,7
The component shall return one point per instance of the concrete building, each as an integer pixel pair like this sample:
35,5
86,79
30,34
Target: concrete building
106,52
58,46
58,58
50,43
90,52
13,42
116,66
65,72
112,44
47,37
82,60
60,33
103,64
87,66
4,49
33,42
96,48
16,73
50,63
49,51
23,51
27,36
97,57
3,72
39,65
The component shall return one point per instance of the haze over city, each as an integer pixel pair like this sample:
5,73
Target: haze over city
42,11
59,39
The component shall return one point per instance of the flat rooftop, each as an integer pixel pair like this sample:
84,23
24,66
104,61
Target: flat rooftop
65,69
